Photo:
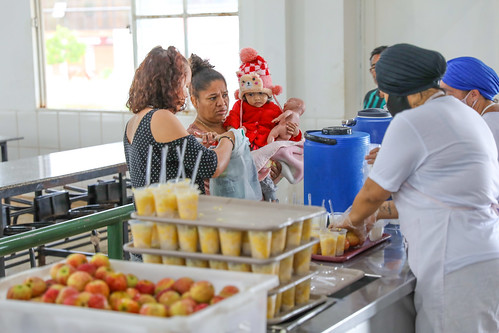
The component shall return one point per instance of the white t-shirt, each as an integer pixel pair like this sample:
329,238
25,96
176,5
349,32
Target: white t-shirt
492,119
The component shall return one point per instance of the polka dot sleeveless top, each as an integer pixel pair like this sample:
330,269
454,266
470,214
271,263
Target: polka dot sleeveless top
136,156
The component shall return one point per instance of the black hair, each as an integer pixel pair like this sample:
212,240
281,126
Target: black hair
377,50
202,75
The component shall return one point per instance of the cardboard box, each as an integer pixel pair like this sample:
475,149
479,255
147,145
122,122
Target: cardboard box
243,312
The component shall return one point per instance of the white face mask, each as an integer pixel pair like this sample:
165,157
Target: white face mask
466,97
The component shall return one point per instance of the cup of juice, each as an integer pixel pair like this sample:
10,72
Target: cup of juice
187,203
169,260
278,302
271,268
218,264
260,243
238,267
155,237
271,306
165,200
152,258
230,241
141,233
306,230
286,269
340,243
316,248
168,237
246,246
144,201
301,261
293,234
302,292
288,299
196,263
188,238
278,241
208,240
328,241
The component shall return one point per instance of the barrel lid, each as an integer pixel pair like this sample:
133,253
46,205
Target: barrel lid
333,135
374,112
337,130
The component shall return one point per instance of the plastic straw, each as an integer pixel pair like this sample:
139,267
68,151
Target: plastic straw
184,146
310,199
196,167
148,166
180,164
331,206
162,173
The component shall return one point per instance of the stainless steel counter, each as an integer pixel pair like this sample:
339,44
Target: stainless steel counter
381,301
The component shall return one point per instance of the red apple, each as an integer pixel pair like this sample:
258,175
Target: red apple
200,306
131,280
19,292
64,273
79,280
76,259
98,287
168,297
132,292
100,259
145,287
115,297
51,294
80,299
50,282
54,269
127,305
98,301
87,267
153,309
228,291
182,307
202,291
116,281
37,285
182,284
65,293
145,298
163,284
216,299
102,272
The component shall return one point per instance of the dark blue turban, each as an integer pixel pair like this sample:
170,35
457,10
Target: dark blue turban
405,69
468,73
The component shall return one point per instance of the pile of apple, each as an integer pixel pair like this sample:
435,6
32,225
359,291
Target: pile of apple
94,284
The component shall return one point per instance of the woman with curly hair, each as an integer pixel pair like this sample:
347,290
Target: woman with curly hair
158,91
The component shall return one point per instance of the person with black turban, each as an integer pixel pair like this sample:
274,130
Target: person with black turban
437,162
475,84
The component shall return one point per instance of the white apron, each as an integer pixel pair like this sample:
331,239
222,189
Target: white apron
426,227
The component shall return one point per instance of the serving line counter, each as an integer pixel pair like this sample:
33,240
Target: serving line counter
382,301
35,174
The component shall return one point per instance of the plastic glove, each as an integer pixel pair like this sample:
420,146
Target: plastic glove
360,230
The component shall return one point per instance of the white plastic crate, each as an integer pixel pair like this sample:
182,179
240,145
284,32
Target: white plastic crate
243,312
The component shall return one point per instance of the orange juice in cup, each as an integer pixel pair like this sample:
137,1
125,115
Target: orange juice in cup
260,243
302,292
188,238
168,260
278,241
230,241
218,264
141,233
144,201
272,268
340,243
168,237
306,230
187,203
151,258
238,267
278,302
328,240
286,269
208,240
301,261
197,263
316,248
293,234
246,245
288,299
165,200
271,306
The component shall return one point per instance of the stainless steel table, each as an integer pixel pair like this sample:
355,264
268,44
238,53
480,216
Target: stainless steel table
3,145
35,174
383,304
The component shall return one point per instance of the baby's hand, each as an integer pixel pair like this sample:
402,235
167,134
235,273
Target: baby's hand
292,129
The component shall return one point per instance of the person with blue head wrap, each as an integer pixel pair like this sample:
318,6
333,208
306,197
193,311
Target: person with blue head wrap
475,84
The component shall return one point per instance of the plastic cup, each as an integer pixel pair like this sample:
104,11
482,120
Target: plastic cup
168,237
286,269
208,240
272,268
165,200
328,240
141,233
278,241
278,302
238,267
301,261
187,202
316,248
302,292
188,238
288,299
155,237
260,244
340,244
271,306
306,230
246,246
230,241
152,258
197,263
167,260
293,234
217,264
319,222
377,230
144,201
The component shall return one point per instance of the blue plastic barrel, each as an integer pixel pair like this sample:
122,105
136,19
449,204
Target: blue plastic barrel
372,121
333,166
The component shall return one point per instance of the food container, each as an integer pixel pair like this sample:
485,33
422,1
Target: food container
278,241
293,234
246,309
168,260
301,261
340,242
286,269
271,268
302,292
188,238
217,264
144,201
152,259
260,242
209,240
168,236
165,200
271,300
377,230
196,263
141,233
288,299
230,241
187,202
328,239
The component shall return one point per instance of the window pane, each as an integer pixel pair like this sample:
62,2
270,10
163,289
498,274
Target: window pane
217,39
211,6
163,32
159,7
88,53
